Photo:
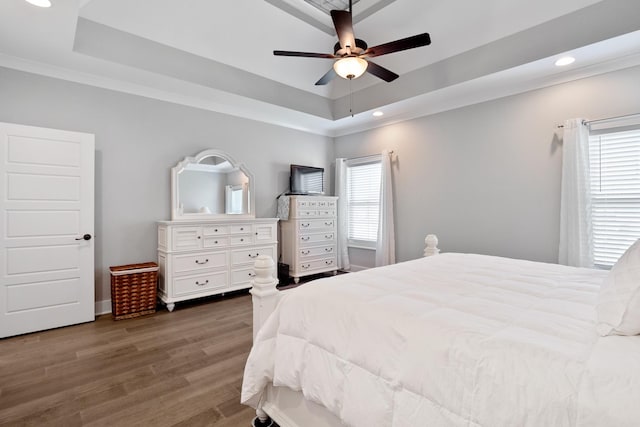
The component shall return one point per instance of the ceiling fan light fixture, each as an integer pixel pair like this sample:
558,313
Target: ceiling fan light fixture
40,3
350,67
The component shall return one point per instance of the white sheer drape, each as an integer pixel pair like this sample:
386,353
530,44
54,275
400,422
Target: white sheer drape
342,226
386,244
576,247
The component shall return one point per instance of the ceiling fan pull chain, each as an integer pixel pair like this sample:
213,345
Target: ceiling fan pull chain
350,98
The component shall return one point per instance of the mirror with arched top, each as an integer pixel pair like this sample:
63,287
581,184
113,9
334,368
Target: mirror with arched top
211,185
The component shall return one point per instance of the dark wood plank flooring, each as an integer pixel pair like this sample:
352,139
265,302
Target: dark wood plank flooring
167,369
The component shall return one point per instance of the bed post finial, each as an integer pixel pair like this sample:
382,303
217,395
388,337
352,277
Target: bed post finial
431,241
263,291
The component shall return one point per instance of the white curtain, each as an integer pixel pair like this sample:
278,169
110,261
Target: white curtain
576,248
386,244
342,226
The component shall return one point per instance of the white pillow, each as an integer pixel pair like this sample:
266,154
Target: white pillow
619,298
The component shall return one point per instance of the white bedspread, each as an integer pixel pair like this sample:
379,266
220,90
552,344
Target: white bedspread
451,340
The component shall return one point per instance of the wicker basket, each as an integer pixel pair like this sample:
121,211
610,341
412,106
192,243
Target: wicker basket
133,290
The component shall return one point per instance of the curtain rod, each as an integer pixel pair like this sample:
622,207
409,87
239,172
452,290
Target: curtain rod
588,122
370,155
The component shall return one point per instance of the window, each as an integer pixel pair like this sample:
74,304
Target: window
615,192
363,202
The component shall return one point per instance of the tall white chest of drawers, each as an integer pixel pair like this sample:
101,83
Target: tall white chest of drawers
202,258
309,236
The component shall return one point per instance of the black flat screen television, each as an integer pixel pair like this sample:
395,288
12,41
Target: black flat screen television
306,180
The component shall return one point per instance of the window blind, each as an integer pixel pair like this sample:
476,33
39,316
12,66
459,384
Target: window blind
363,195
615,193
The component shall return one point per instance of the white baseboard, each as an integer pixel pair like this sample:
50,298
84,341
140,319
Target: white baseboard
357,268
103,307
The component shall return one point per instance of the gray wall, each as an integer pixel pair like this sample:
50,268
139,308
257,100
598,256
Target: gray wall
486,178
138,140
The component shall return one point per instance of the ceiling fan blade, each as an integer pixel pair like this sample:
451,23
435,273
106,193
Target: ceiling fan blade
344,28
327,77
303,54
381,72
398,45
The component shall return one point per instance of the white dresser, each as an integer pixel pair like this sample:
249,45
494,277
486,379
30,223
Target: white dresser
309,236
199,258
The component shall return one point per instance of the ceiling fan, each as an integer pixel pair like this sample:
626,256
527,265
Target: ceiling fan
352,53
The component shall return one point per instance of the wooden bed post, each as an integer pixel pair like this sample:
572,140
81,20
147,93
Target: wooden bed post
431,243
263,291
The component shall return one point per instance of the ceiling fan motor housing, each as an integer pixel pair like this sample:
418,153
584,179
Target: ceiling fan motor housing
361,46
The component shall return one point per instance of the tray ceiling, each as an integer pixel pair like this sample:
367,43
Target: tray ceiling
218,55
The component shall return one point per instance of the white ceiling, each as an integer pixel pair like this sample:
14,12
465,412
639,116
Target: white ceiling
218,56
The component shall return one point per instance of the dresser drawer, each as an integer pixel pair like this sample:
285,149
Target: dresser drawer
327,204
200,283
306,204
249,255
307,213
324,264
317,225
311,239
216,241
241,228
331,213
242,275
316,251
215,230
197,262
243,239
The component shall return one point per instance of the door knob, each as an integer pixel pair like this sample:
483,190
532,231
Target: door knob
85,237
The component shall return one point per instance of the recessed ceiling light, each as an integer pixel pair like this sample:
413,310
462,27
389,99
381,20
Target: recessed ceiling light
378,113
565,60
40,3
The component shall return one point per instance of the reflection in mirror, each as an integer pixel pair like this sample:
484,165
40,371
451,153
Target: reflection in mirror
203,188
210,184
236,199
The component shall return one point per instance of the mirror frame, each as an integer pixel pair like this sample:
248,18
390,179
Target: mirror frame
182,165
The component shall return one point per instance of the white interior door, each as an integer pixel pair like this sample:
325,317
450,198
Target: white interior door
46,220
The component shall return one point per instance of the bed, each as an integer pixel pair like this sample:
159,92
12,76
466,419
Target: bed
446,340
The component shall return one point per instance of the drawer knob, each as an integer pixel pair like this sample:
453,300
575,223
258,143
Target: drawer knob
305,252
328,236
241,228
203,262
253,256
305,266
215,230
328,223
329,262
328,249
242,240
199,237
252,274
215,242
304,238
202,284
304,224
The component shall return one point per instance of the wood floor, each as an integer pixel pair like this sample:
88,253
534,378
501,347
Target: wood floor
167,369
